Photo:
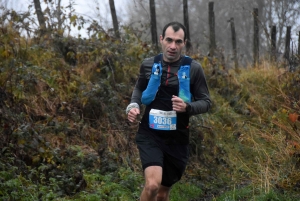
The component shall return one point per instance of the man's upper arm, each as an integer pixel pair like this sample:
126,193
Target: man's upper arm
199,90
142,81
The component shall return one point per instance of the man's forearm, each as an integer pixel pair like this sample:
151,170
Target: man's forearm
199,107
136,96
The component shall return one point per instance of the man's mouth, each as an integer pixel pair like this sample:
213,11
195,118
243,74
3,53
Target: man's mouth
171,53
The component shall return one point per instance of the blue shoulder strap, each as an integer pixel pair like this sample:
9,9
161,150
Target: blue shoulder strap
184,79
158,58
187,61
149,94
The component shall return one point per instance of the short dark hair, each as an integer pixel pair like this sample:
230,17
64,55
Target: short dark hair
176,26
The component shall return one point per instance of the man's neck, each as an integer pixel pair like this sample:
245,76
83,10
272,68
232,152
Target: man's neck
171,62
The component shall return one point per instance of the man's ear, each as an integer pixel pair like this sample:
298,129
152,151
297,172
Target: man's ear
185,41
161,39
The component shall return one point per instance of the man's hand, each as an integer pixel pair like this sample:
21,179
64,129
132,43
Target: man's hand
178,104
132,114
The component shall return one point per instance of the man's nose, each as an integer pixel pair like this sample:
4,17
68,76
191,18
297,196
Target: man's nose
173,45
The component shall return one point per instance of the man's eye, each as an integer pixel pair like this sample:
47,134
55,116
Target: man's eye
170,40
179,41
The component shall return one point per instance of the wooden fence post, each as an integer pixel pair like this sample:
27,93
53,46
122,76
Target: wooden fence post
273,43
233,37
153,24
211,21
287,43
255,38
187,26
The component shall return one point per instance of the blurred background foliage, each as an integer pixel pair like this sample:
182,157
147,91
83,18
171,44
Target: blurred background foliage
64,134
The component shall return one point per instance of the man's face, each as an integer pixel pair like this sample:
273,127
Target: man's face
172,44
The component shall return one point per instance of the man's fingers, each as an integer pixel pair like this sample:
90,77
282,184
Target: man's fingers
137,111
131,118
132,114
178,104
176,99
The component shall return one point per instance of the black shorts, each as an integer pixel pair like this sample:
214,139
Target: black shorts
152,154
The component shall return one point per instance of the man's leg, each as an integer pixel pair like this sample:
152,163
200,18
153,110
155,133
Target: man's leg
163,193
153,177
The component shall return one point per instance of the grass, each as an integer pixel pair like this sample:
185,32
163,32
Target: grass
251,193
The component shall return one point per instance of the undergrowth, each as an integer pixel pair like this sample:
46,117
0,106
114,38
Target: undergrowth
64,134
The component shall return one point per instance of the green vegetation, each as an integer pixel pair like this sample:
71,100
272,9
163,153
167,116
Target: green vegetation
64,134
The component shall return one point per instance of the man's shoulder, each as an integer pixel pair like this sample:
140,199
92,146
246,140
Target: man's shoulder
195,64
148,61
196,68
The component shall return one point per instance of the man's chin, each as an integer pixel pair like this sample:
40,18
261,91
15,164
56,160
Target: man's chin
172,57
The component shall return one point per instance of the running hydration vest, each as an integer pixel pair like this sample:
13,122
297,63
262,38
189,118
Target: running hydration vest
183,75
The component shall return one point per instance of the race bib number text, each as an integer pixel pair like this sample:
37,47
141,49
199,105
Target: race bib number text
162,120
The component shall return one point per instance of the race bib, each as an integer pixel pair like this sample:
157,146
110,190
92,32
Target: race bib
162,120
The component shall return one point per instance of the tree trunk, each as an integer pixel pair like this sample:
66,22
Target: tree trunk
233,37
299,46
40,16
212,36
59,21
153,23
255,38
114,18
287,43
187,26
273,43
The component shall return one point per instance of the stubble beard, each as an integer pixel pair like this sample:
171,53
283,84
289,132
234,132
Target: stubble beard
172,58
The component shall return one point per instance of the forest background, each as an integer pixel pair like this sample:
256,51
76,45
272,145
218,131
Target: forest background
64,134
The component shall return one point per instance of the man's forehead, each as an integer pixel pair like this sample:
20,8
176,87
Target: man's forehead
170,33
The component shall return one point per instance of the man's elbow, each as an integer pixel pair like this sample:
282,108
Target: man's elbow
208,105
